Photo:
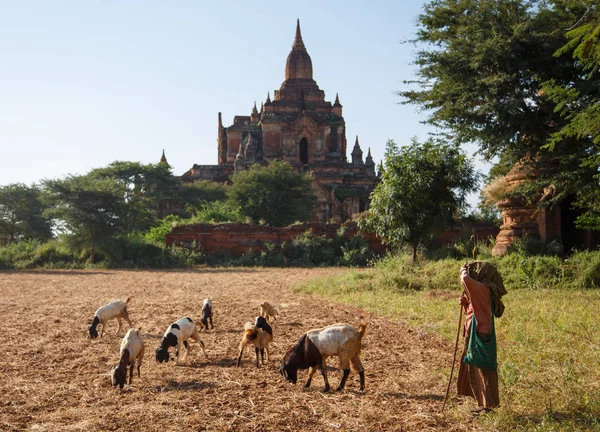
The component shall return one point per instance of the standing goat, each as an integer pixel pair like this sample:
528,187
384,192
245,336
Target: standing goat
115,309
313,348
207,314
177,335
259,334
266,310
132,349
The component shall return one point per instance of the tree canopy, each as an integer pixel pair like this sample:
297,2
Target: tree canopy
487,74
144,189
422,188
89,210
21,214
275,193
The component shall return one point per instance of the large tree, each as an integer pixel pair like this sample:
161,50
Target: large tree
275,193
578,102
482,65
90,211
144,187
423,186
21,214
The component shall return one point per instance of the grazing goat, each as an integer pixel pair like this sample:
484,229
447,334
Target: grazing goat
115,309
266,310
132,349
259,334
177,335
207,314
313,348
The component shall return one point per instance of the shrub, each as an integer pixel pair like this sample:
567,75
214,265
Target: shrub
54,254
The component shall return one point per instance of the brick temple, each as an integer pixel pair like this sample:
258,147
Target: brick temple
298,126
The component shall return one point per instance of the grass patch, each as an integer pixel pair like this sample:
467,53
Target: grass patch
548,343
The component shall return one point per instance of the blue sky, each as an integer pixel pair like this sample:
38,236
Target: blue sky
85,83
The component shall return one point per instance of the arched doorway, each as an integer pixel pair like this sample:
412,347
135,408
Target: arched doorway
304,151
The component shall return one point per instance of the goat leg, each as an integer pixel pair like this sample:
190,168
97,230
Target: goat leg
131,366
343,381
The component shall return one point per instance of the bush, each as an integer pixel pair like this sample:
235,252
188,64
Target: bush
307,249
585,268
54,254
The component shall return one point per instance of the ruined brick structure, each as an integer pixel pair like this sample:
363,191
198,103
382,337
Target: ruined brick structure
298,126
524,218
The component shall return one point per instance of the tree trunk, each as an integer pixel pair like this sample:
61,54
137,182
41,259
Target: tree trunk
414,254
92,254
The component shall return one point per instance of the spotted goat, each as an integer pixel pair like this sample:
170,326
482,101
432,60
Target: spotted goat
313,348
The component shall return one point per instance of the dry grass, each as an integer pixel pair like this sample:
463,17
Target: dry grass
54,378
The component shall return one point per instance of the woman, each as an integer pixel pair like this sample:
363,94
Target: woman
481,300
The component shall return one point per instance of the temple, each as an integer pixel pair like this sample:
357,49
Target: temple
298,126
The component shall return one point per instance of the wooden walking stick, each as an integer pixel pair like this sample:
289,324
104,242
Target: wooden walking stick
453,358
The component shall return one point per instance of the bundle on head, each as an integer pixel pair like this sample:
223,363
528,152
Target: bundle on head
132,349
313,348
259,334
266,310
207,314
177,335
115,309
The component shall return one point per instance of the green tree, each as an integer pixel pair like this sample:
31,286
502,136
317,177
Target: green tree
578,103
274,193
21,214
482,64
90,211
422,188
194,196
144,187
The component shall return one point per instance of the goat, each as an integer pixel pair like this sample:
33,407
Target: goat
266,310
177,335
115,309
259,334
207,314
132,349
313,348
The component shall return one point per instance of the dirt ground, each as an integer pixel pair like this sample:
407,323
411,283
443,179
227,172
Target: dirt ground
53,378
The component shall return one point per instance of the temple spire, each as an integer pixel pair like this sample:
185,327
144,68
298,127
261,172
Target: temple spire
163,158
298,43
337,100
357,153
268,98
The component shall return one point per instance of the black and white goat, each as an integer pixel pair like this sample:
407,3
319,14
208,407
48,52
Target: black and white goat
132,350
207,314
313,348
177,335
259,334
115,309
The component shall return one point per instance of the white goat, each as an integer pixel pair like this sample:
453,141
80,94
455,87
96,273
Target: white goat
177,335
132,349
115,309
313,348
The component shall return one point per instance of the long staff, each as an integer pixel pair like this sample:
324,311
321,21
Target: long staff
453,358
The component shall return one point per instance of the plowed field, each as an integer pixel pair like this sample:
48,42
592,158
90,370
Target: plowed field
53,378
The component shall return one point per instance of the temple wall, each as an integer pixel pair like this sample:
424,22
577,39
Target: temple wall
236,239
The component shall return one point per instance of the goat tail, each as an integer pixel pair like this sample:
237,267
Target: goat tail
362,328
128,300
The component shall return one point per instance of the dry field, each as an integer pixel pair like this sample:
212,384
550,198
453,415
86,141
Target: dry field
53,378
